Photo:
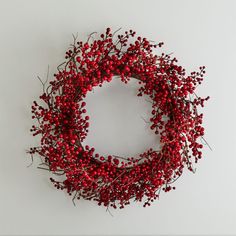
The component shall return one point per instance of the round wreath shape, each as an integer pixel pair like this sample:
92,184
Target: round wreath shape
63,124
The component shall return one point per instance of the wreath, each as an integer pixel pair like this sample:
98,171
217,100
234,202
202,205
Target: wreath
63,124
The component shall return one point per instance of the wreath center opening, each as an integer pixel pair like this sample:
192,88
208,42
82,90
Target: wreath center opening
119,120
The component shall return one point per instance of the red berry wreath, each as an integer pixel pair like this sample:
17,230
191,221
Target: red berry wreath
63,123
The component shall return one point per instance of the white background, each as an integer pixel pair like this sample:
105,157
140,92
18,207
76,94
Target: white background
35,34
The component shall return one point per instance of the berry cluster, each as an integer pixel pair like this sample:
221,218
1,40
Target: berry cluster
63,123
